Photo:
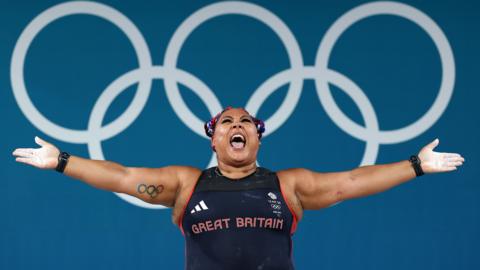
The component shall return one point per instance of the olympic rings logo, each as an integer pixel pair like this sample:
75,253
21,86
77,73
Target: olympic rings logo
151,190
171,75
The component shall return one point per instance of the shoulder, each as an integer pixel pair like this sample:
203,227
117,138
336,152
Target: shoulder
295,178
182,175
186,173
290,176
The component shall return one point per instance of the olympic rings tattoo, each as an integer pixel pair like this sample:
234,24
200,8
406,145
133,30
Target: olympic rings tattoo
151,190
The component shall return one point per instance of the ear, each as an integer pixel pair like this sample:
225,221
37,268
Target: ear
212,144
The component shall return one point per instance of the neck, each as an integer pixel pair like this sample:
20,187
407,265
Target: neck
236,172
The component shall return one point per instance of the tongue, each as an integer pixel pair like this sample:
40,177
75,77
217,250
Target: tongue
238,145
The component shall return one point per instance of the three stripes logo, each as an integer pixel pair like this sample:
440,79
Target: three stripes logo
199,207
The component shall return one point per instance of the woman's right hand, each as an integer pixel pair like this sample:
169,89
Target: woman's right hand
45,157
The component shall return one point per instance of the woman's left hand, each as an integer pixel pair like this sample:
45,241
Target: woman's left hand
434,162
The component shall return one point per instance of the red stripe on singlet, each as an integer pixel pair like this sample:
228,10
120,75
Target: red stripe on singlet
180,221
295,219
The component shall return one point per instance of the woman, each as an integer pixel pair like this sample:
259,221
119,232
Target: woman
238,215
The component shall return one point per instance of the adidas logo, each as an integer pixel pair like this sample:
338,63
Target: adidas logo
199,207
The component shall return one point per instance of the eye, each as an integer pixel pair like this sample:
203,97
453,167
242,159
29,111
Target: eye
247,120
227,120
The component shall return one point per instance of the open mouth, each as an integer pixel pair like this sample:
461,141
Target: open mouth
237,141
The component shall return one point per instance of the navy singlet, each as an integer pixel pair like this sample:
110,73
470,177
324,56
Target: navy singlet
238,224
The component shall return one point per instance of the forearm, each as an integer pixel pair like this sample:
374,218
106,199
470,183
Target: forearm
368,180
101,174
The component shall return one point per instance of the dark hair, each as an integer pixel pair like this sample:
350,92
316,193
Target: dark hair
210,125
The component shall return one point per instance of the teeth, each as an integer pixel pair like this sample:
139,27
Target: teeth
238,136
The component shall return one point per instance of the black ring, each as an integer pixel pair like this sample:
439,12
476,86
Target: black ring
142,186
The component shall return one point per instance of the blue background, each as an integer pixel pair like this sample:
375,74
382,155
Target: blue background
49,221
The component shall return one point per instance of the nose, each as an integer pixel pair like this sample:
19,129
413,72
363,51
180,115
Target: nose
237,125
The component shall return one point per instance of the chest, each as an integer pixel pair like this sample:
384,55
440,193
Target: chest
225,210
261,202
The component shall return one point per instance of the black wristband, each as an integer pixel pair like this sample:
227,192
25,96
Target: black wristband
62,161
415,161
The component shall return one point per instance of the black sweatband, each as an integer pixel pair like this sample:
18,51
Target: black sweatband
416,164
62,161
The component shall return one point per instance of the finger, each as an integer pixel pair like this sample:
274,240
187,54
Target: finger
449,169
450,155
456,159
23,152
28,161
455,163
453,158
40,141
29,150
433,144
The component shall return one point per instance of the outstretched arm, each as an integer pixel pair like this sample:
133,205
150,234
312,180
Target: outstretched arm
159,185
317,190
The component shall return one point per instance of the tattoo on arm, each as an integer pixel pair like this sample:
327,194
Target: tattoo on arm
151,190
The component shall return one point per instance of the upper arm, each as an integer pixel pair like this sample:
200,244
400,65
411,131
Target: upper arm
317,190
157,185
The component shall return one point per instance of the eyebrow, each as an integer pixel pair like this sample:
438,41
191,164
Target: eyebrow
241,117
